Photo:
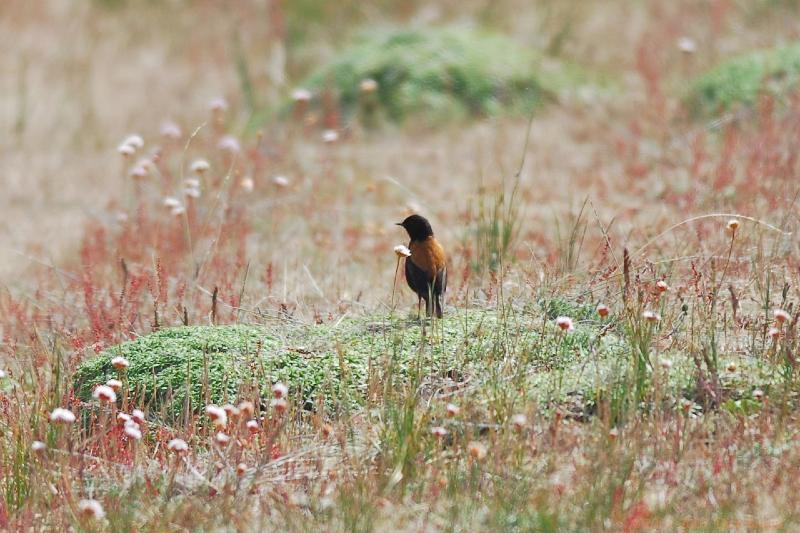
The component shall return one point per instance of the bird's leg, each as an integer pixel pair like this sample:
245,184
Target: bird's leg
419,307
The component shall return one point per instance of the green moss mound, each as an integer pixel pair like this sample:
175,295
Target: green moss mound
741,80
441,73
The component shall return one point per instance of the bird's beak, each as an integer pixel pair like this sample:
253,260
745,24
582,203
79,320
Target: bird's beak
398,223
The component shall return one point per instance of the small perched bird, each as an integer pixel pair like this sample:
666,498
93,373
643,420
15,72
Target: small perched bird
426,272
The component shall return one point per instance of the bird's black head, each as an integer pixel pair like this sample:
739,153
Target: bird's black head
418,227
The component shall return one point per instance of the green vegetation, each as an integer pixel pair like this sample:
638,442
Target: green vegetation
441,73
741,80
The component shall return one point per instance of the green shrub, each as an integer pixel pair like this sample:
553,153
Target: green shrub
741,80
437,72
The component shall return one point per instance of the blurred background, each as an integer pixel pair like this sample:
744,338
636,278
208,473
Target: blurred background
443,125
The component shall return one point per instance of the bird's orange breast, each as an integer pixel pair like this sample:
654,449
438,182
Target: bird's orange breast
428,255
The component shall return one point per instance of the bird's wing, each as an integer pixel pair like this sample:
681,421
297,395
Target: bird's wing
417,279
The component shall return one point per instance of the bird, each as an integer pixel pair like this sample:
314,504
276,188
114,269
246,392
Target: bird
426,269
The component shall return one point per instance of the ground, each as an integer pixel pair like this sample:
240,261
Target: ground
673,412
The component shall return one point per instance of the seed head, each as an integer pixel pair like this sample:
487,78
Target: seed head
279,404
133,431
477,450
252,426
368,85
200,165
218,104
222,439
438,432
105,394
651,316
301,95
519,421
115,384
91,510
402,251
279,390
247,408
662,286
217,415
120,363
781,316
232,411
241,469
330,136
134,140
452,410
732,225
229,143
687,45
170,130
138,416
603,310
565,323
177,446
123,418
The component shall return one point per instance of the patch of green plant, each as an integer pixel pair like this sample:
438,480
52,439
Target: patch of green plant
440,73
741,80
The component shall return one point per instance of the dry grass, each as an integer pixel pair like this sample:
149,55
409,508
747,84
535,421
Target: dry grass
319,248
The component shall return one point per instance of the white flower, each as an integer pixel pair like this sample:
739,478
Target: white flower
38,446
565,323
218,104
217,415
62,416
138,416
731,367
402,251
170,130
228,143
281,181
519,421
115,384
330,136
438,432
132,430
134,140
651,316
177,445
91,509
140,171
126,150
279,404
252,426
123,417
732,225
301,95
279,390
687,45
662,286
177,210
171,202
104,393
2,373
452,410
666,364
781,316
222,438
192,192
120,363
200,166
368,85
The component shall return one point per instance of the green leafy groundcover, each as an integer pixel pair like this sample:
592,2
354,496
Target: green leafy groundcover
742,79
438,72
175,368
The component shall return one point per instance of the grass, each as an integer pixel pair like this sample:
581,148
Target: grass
493,418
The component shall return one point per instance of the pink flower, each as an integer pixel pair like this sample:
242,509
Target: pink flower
438,431
301,95
774,333
330,136
177,446
138,416
252,426
91,509
120,363
170,130
104,393
279,390
781,316
452,410
662,286
651,316
222,439
133,431
218,104
115,384
229,143
279,404
565,323
217,415
519,421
